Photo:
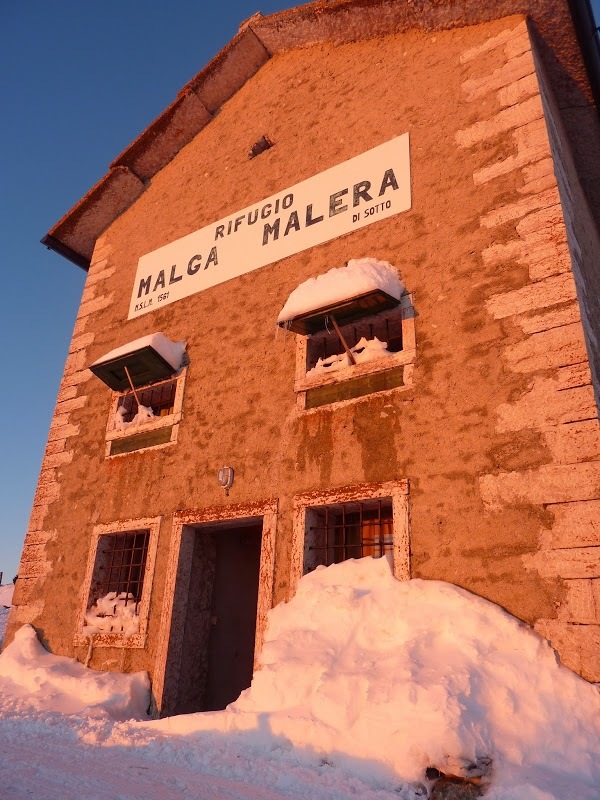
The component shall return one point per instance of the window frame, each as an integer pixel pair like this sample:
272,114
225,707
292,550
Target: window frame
117,639
170,420
334,534
177,576
405,357
397,491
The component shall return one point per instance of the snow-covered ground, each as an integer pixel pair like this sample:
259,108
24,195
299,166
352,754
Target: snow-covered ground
365,682
6,593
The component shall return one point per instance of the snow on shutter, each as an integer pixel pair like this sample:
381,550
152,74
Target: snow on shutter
342,295
148,360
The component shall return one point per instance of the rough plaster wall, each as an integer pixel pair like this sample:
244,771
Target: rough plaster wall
571,548
500,380
36,562
557,402
582,232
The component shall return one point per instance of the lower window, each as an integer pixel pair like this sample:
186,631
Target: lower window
337,524
117,583
116,594
348,530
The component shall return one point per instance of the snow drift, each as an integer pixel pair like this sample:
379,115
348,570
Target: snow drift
113,612
55,683
365,350
386,678
363,678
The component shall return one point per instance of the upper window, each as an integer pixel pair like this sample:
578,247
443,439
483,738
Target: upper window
158,397
147,377
369,339
356,333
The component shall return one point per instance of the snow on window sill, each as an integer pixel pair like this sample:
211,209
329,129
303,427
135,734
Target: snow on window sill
110,639
151,425
304,383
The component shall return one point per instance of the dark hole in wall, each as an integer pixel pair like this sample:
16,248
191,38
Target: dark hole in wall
264,143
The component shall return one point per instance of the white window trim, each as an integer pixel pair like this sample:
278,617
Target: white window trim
406,357
397,490
137,640
172,420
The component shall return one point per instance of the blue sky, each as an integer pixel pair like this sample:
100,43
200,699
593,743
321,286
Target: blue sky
80,81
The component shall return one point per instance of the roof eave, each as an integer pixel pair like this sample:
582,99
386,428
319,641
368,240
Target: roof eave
66,252
259,38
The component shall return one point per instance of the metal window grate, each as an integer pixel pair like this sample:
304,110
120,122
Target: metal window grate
387,327
160,397
352,530
122,565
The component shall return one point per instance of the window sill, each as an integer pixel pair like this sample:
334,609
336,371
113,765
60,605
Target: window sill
154,435
136,641
152,425
357,371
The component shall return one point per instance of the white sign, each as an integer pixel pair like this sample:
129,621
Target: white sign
370,187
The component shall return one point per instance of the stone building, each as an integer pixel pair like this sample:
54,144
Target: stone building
458,143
